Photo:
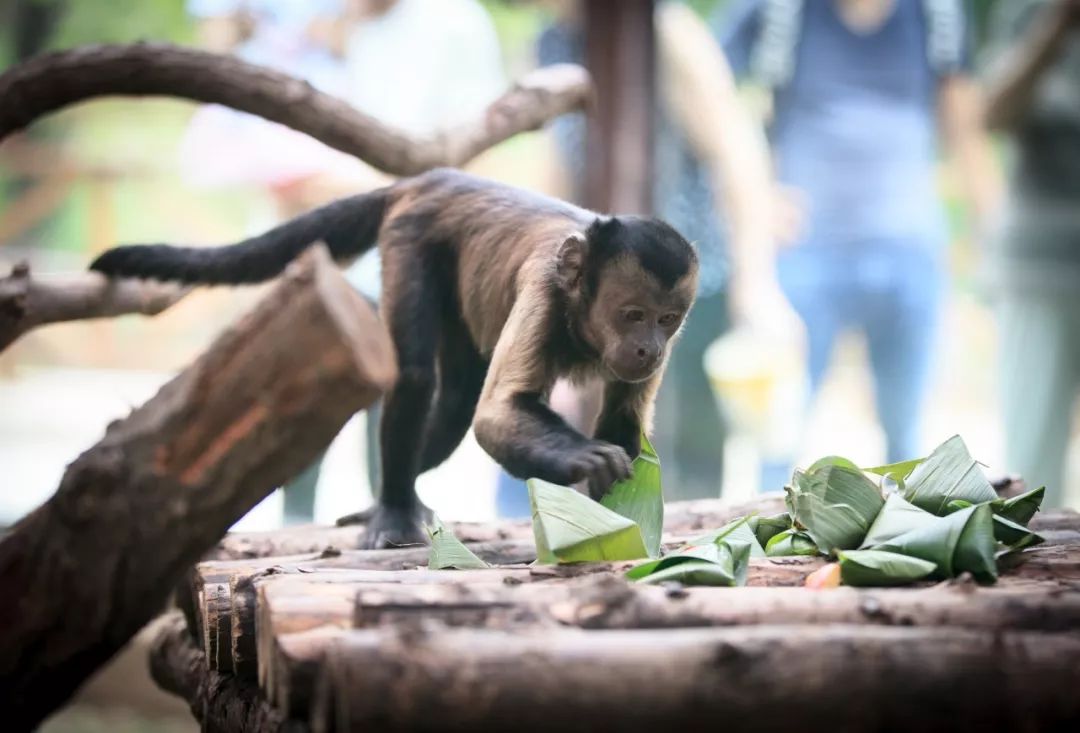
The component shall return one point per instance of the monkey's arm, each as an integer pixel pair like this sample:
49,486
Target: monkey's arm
514,425
627,411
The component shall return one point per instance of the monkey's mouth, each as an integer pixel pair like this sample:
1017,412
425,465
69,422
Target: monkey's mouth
632,375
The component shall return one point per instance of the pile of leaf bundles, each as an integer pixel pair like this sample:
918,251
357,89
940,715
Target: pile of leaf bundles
928,518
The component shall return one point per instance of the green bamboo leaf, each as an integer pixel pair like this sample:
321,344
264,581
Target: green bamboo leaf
902,469
641,498
897,517
831,461
896,472
790,542
835,504
570,527
738,529
1022,508
1014,536
949,473
880,568
963,540
956,505
765,528
707,552
694,572
724,564
975,552
447,551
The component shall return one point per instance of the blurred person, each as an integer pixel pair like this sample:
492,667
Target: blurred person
707,157
419,66
224,147
227,148
862,93
1033,94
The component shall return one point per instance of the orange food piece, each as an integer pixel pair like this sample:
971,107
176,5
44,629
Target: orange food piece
827,576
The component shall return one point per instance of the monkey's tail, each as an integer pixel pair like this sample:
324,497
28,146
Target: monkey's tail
349,227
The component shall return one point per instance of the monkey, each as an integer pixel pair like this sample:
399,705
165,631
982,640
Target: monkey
489,293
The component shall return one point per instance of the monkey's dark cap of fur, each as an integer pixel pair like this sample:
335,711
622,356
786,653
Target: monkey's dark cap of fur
659,248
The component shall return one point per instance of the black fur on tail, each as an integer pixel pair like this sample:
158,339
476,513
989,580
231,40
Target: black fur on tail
349,227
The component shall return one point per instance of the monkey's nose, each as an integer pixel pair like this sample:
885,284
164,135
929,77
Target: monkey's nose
647,357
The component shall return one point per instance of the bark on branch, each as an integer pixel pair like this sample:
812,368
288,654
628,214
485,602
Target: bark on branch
27,301
53,81
89,568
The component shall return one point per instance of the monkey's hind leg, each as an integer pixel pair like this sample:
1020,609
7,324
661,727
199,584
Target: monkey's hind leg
411,309
461,377
461,372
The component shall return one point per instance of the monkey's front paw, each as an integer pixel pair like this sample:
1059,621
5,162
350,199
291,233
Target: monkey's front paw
601,464
388,528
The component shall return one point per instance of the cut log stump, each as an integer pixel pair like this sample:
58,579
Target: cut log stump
95,563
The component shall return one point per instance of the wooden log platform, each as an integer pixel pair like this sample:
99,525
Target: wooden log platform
331,639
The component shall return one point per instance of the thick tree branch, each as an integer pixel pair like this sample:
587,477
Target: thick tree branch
86,570
53,81
27,301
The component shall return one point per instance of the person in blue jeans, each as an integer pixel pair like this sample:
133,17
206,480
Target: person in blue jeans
863,92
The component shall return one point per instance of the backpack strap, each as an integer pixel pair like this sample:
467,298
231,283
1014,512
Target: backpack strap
944,34
772,60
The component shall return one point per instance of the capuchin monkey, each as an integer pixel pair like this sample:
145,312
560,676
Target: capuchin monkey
489,293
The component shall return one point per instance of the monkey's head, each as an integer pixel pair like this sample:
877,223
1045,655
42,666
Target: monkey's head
630,282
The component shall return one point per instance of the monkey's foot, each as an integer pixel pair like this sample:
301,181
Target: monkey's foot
361,517
388,528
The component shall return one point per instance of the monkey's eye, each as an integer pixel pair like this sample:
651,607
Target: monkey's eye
669,319
634,315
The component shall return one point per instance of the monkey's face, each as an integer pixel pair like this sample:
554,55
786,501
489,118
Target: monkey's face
633,318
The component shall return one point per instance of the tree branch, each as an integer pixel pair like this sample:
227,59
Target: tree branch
92,565
53,81
27,301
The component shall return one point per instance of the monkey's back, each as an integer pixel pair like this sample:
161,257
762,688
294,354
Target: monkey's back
485,232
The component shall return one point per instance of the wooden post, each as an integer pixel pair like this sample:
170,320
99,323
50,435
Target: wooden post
90,567
620,55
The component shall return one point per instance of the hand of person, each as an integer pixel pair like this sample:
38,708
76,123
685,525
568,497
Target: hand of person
788,214
759,305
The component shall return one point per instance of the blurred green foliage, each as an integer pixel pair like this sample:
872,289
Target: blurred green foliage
31,26
122,21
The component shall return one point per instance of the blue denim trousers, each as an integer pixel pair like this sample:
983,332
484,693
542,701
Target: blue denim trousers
889,289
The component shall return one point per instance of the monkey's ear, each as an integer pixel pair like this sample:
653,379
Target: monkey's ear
570,261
